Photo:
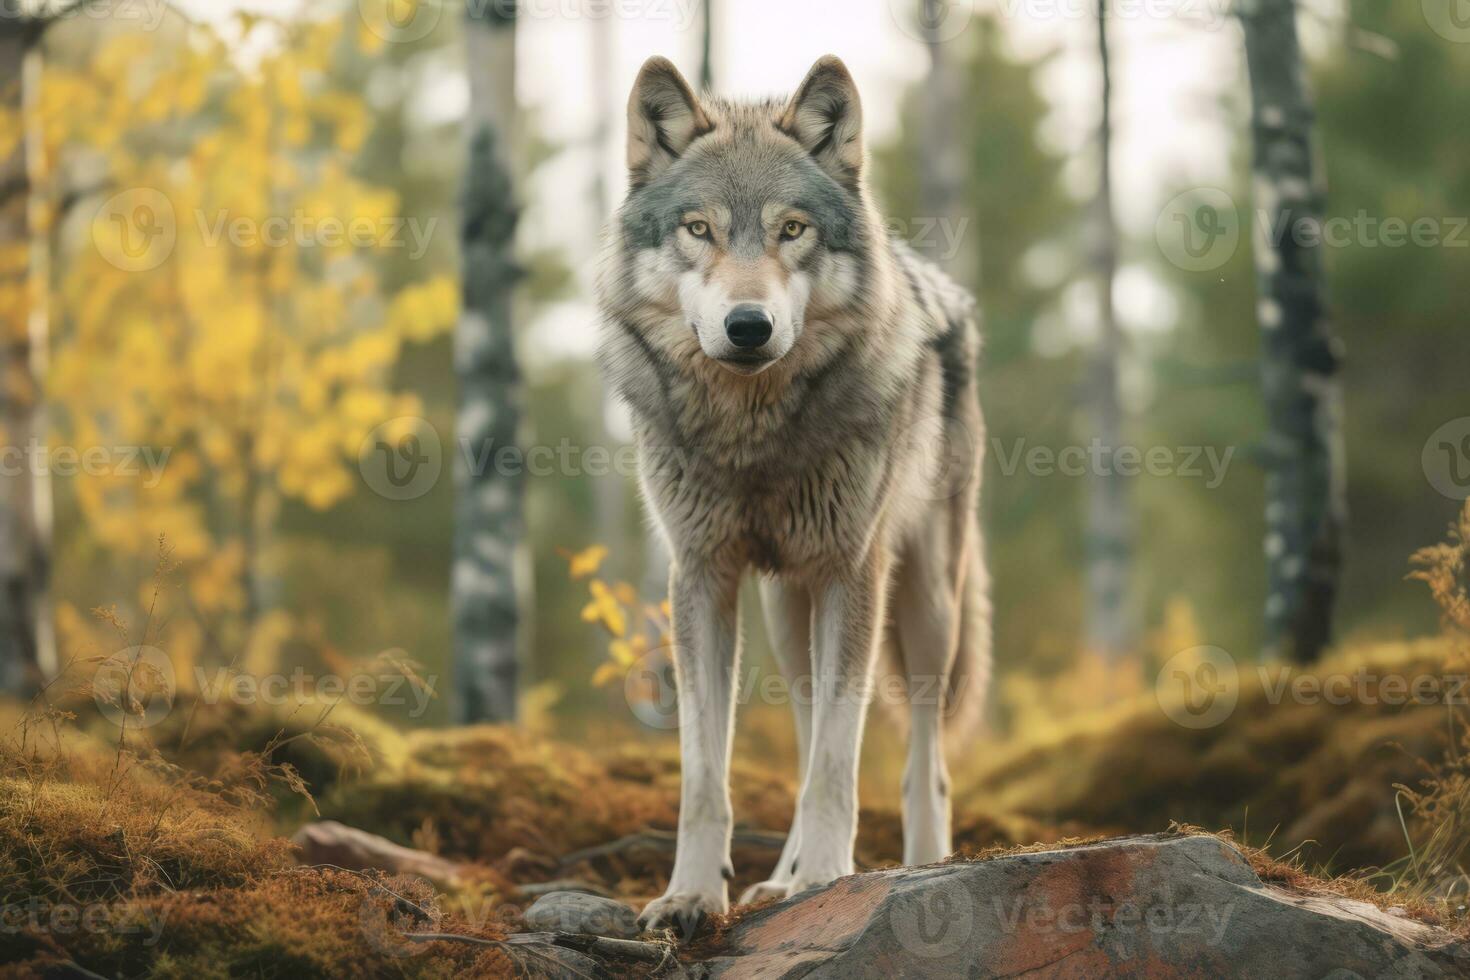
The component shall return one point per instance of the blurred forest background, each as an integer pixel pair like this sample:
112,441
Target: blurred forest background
255,369
241,238
306,464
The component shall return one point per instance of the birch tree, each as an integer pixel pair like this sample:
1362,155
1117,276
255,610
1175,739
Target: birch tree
941,164
1109,529
707,46
1306,506
610,496
488,507
27,644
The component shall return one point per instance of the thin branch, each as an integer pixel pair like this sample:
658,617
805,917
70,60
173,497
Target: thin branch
662,840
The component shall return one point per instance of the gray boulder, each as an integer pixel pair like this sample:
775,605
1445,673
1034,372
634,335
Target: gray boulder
1164,906
582,914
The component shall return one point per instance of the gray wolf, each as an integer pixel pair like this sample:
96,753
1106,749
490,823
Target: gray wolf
803,393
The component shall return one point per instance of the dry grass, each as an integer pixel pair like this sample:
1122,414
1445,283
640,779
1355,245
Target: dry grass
178,827
1438,864
82,824
1314,775
128,866
520,803
1290,873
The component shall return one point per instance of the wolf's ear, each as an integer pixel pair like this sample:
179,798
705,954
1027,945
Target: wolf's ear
664,117
826,117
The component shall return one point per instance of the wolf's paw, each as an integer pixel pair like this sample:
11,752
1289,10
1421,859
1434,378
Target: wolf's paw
680,911
761,891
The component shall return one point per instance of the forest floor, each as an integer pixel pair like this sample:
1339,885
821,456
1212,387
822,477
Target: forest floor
130,857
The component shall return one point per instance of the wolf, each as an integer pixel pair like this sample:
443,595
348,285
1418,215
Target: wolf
803,393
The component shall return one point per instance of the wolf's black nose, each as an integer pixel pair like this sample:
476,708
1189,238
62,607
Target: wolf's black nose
748,326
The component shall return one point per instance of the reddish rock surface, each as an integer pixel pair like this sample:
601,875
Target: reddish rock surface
1141,907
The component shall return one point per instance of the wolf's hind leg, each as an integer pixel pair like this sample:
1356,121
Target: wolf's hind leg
847,620
788,615
926,613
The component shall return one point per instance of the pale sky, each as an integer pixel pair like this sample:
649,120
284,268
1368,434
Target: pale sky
1173,60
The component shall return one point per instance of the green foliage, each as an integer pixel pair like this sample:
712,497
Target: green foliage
1390,151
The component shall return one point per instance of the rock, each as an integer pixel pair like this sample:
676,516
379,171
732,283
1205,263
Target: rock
582,914
330,842
538,888
1165,906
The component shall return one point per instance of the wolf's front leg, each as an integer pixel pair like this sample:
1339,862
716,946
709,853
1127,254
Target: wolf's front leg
848,619
788,612
705,636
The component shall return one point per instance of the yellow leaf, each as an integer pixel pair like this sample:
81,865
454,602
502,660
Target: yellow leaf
604,609
585,562
607,673
622,652
537,704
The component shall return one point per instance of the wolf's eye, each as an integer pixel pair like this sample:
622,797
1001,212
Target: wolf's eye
699,229
792,231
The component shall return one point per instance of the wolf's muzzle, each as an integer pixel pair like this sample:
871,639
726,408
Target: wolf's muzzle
748,326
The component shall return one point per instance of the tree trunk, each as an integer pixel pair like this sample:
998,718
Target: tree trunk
1109,524
941,165
1306,507
707,47
488,516
610,490
27,642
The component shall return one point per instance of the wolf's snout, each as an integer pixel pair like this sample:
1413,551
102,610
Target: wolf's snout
748,326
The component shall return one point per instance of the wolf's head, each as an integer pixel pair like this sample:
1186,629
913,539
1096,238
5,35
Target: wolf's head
744,221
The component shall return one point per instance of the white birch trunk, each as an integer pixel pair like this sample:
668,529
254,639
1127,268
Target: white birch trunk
27,640
489,525
1306,502
1109,524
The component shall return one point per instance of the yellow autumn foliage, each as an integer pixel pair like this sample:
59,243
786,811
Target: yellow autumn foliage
210,299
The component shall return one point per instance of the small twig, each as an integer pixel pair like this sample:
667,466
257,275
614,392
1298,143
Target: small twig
625,949
511,949
71,970
539,888
663,840
367,878
1398,805
618,948
437,937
